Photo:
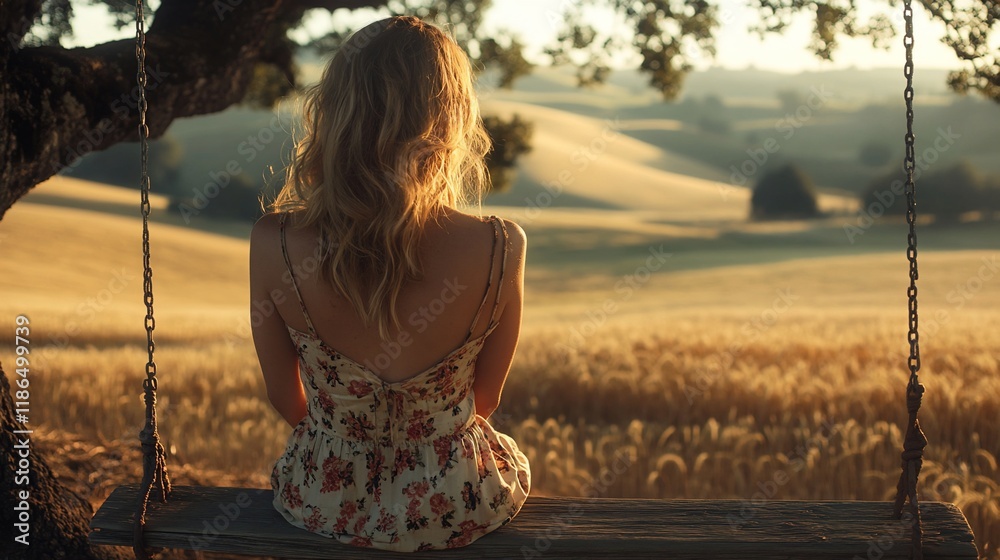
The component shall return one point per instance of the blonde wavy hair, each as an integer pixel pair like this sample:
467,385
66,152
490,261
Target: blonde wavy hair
392,133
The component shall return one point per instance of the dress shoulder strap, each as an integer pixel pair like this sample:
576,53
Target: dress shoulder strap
498,227
291,275
503,268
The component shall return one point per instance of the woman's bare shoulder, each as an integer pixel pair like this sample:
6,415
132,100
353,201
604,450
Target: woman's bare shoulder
267,222
514,231
516,245
267,227
516,237
265,237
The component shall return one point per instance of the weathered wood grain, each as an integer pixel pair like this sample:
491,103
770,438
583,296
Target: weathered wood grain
556,527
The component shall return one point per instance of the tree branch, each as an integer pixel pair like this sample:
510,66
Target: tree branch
60,104
16,17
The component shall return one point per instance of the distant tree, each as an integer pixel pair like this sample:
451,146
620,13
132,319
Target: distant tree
714,124
951,192
119,164
945,194
790,99
713,119
784,193
713,102
510,140
991,198
508,56
874,153
238,199
884,195
689,103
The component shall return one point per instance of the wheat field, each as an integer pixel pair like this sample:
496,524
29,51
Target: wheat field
659,403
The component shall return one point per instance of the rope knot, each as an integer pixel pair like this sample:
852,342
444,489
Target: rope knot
148,435
915,440
914,396
149,438
914,444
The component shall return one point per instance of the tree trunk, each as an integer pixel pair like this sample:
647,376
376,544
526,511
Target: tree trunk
58,104
58,519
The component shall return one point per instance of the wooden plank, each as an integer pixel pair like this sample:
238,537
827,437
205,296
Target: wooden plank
554,527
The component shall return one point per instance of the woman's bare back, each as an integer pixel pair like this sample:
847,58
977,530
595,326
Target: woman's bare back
436,313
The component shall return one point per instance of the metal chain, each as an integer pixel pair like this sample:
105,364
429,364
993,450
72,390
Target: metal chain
909,164
154,462
915,440
144,187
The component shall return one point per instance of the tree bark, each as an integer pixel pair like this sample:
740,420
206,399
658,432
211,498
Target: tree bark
58,519
59,104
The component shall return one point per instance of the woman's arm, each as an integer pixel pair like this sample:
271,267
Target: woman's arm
275,349
493,363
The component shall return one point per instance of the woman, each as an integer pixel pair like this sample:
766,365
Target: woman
395,316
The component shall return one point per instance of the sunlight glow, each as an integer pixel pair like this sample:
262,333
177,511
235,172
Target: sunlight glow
537,22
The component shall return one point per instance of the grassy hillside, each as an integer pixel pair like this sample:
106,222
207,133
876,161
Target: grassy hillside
716,131
576,253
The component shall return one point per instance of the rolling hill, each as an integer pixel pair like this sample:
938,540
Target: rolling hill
84,264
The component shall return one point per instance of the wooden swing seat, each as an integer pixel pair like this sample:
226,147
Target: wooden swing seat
243,521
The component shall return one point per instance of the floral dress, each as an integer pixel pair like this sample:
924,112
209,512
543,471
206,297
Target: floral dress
399,466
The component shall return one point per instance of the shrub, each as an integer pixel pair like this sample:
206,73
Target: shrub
510,139
785,193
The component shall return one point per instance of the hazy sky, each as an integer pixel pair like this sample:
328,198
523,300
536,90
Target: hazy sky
736,48
537,21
